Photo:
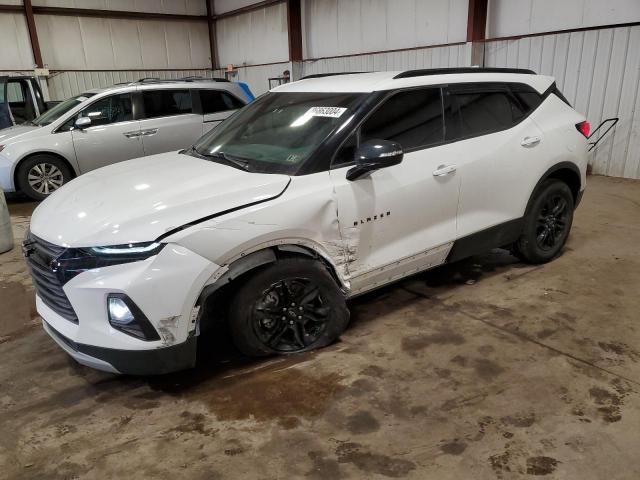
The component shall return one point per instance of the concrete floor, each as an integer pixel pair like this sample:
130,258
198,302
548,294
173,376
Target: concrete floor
483,369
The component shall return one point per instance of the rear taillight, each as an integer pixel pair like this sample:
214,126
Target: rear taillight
584,128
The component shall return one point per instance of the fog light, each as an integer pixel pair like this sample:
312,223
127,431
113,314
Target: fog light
119,312
124,315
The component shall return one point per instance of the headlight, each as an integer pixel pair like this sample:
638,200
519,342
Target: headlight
124,315
142,250
77,260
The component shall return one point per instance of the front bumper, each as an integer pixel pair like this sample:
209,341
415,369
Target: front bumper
130,362
165,287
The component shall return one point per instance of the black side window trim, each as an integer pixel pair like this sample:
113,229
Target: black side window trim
356,129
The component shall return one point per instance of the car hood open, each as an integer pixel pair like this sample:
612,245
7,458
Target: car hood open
140,200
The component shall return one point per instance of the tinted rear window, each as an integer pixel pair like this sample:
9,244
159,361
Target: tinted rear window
164,103
217,101
471,111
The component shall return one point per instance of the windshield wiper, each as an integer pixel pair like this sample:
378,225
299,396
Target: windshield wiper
229,160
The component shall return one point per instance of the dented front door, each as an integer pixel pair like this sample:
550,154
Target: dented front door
397,220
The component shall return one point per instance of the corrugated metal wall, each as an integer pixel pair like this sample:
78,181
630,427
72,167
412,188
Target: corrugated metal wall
256,37
508,18
451,56
340,27
81,43
599,73
15,49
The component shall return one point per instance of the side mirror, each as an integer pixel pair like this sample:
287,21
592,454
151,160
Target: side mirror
374,155
82,123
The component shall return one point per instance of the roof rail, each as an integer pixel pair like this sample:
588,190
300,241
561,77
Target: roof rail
447,71
198,78
148,79
320,75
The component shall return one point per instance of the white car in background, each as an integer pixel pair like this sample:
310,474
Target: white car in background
109,125
316,192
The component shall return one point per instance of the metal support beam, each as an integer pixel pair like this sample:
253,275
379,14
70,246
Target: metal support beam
11,9
294,24
477,20
477,30
33,33
212,35
98,13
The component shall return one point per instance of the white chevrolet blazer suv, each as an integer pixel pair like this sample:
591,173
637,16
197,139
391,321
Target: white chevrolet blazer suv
318,191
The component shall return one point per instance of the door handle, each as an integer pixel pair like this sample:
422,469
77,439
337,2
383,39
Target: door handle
530,141
149,133
131,134
443,170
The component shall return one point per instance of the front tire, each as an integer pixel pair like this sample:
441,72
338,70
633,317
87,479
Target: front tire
290,306
41,175
547,223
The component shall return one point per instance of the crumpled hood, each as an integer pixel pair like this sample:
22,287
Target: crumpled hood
15,132
139,200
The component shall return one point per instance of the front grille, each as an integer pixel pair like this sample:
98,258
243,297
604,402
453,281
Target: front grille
40,256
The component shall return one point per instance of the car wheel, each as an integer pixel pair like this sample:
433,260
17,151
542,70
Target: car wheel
41,175
292,305
547,223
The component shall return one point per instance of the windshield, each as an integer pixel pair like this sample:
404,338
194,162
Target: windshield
60,109
278,131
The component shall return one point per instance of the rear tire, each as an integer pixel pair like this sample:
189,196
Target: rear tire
547,223
292,305
41,175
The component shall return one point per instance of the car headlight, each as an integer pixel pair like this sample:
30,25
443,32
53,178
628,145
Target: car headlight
77,260
130,250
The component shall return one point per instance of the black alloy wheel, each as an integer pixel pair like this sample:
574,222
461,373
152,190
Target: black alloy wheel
552,222
547,223
290,315
291,305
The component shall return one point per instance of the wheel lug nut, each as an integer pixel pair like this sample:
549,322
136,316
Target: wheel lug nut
299,308
284,318
293,304
299,317
290,322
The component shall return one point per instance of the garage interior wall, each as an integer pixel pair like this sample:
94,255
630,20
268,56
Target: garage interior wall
596,62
